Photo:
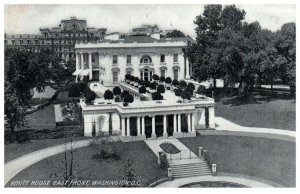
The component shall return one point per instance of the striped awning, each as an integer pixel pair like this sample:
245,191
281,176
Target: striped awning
77,72
85,72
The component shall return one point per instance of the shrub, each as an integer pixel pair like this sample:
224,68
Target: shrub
161,89
108,95
157,96
142,90
162,79
136,79
201,89
153,85
155,77
90,96
178,92
191,86
142,82
147,83
175,82
182,84
127,77
128,98
124,93
74,90
163,162
117,90
85,80
168,80
186,94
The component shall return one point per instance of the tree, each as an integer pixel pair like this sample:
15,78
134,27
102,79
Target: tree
129,177
178,92
142,90
168,80
128,98
157,96
286,45
124,93
153,85
108,95
182,84
161,89
174,33
201,90
117,91
155,77
14,111
191,86
175,82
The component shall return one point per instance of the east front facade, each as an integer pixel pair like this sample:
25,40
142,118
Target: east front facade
141,56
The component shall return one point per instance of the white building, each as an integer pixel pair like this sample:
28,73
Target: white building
141,56
106,63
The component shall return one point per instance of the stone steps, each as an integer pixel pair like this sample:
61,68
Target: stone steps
190,169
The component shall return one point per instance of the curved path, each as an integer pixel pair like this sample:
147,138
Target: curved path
12,168
243,181
226,125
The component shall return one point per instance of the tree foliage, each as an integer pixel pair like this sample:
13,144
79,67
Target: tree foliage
174,33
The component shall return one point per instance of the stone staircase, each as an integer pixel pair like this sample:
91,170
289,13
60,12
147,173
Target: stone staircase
189,167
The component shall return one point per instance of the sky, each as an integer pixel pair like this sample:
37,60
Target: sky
27,19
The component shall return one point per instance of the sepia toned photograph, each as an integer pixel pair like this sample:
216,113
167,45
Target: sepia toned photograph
149,95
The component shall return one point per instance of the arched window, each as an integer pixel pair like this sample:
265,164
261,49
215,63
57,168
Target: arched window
146,59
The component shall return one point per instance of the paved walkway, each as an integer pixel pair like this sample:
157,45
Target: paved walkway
12,168
226,125
184,156
183,181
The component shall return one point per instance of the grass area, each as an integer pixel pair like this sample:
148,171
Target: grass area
15,150
43,118
268,159
144,164
279,114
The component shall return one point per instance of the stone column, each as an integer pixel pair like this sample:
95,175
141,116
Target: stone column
189,122
187,76
165,134
77,61
153,135
192,122
128,126
179,123
90,66
81,61
174,123
99,65
138,125
123,126
211,117
143,125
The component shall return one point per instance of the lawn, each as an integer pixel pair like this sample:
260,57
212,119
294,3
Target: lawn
15,150
41,119
268,159
278,114
144,163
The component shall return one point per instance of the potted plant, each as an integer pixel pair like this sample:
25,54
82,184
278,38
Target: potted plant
142,90
175,83
157,96
162,79
182,84
168,82
128,99
117,92
127,78
155,77
161,89
108,95
178,93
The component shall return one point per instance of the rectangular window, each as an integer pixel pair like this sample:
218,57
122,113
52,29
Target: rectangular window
115,59
128,72
36,42
5,41
21,41
176,74
162,58
128,59
115,77
93,58
163,73
28,42
13,42
175,58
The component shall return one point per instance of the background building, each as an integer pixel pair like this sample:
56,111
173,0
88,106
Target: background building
60,39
